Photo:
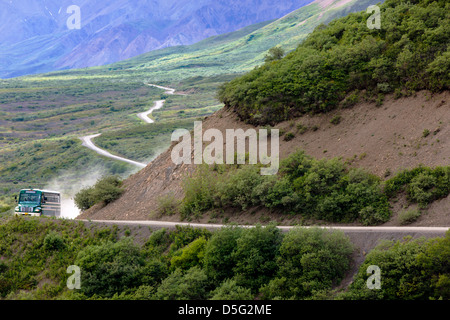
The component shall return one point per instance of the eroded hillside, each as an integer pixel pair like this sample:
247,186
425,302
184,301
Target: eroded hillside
400,134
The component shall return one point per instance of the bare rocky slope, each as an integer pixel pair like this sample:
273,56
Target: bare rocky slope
382,139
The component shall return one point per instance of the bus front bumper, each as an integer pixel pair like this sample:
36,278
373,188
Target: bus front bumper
32,214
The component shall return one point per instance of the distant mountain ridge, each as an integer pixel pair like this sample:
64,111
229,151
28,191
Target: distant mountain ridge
34,37
230,53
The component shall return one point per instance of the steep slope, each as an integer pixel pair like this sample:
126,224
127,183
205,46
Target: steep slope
380,139
410,52
34,36
74,95
382,133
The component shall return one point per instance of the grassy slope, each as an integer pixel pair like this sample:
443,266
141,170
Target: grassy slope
409,53
233,53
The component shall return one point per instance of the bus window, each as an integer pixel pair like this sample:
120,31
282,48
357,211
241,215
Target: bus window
49,197
25,197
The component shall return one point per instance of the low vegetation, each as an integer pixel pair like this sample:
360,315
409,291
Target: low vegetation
408,216
105,190
422,185
411,270
228,264
409,53
319,189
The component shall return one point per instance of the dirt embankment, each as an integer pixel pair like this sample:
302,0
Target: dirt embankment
402,133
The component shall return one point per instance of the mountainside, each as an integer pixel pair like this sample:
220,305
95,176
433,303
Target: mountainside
47,112
34,36
232,53
393,124
383,140
410,52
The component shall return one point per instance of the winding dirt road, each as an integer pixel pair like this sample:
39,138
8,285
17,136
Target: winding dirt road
144,115
88,143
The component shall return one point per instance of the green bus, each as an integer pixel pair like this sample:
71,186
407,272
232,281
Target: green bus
35,202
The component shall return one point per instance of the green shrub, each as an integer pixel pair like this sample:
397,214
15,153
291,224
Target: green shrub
422,184
184,235
106,190
219,260
168,205
255,254
289,136
420,189
236,189
408,216
296,165
309,260
372,216
154,271
110,268
159,239
84,199
301,128
351,99
179,285
336,120
190,256
380,99
54,242
144,292
434,265
410,270
275,53
279,194
200,191
229,290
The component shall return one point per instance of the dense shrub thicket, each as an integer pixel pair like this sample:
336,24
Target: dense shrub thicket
422,185
185,263
336,62
231,263
412,269
36,253
323,189
106,190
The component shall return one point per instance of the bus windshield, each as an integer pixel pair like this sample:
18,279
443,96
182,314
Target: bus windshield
27,197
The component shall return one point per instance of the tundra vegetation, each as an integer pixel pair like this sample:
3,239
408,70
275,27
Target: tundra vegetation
229,263
336,62
325,189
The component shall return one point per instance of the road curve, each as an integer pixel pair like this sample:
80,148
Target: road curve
144,115
158,104
87,142
167,89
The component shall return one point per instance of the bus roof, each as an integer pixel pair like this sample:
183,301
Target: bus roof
44,191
